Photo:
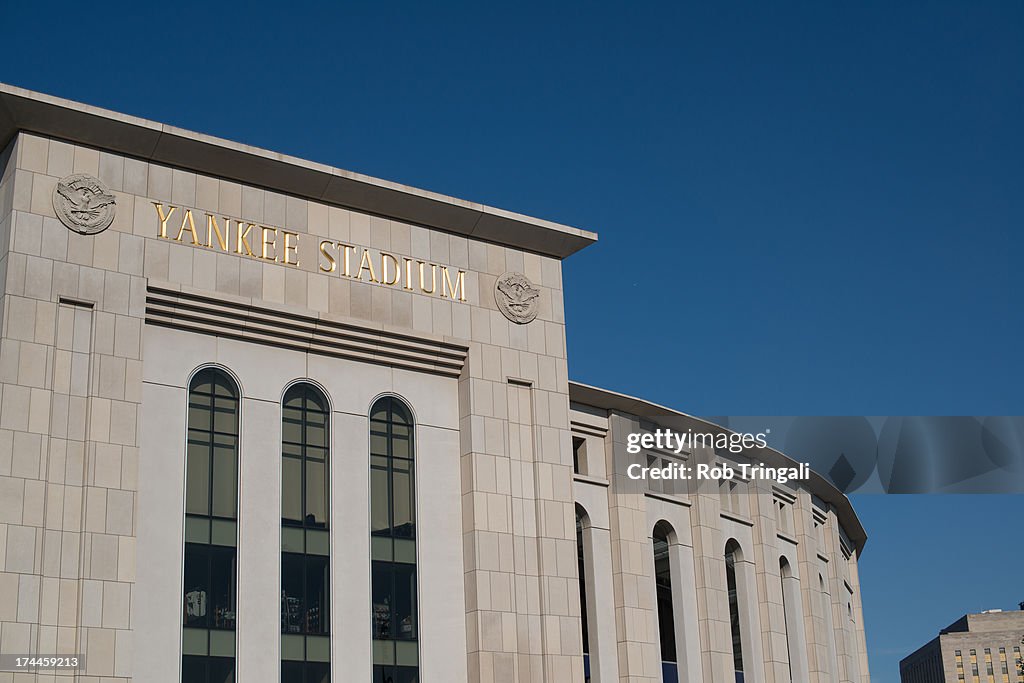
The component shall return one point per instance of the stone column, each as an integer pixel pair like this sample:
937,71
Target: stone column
684,610
597,553
793,602
258,640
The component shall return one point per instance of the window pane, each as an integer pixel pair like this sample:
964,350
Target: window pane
382,600
379,500
225,482
197,480
222,385
399,414
292,616
291,672
316,435
193,669
404,505
222,593
407,674
224,416
291,489
317,598
400,447
316,494
222,670
292,428
378,444
318,672
405,601
198,414
197,589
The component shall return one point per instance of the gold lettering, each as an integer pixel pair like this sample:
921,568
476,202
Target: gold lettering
330,259
433,278
212,227
348,262
293,247
242,242
191,223
459,291
268,243
366,264
163,218
384,269
408,274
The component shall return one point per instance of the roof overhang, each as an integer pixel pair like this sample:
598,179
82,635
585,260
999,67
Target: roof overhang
667,417
25,110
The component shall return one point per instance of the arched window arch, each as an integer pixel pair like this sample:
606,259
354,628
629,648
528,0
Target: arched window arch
581,563
305,535
732,556
666,612
211,529
394,626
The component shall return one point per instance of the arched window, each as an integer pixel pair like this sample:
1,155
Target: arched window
581,563
211,530
731,556
785,577
305,536
666,613
393,543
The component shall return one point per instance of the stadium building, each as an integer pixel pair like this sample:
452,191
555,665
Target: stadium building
268,420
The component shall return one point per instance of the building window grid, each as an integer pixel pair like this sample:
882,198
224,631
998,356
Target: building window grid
211,511
1017,663
305,540
393,536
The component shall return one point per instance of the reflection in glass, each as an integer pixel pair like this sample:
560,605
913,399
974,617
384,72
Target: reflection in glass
394,622
211,508
305,510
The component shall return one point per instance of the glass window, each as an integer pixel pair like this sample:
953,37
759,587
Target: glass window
393,620
305,540
666,613
305,672
304,480
211,509
582,573
734,608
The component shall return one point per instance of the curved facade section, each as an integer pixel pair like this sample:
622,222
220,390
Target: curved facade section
748,580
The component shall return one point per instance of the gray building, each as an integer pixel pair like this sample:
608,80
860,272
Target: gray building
264,420
977,648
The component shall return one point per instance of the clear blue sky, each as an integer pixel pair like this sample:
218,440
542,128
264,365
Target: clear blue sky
803,209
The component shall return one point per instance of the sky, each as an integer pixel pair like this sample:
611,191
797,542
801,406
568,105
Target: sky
803,208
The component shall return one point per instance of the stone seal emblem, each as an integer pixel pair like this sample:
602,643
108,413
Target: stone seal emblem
84,204
517,298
